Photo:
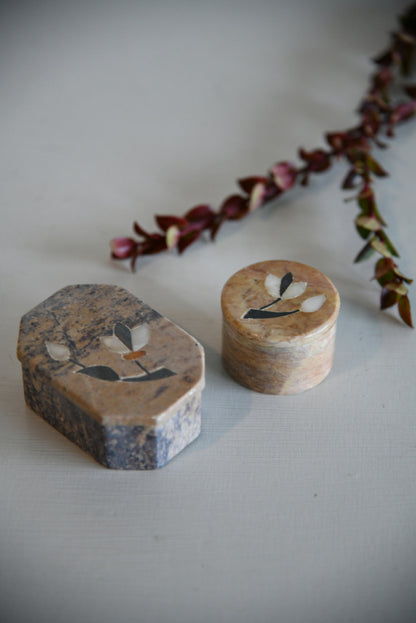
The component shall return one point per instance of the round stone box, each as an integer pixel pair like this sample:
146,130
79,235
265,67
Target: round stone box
113,375
279,320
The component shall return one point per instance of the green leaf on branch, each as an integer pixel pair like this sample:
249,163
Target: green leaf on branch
378,216
364,233
383,266
388,243
368,205
383,245
387,299
399,274
397,287
366,252
375,167
380,247
369,223
404,310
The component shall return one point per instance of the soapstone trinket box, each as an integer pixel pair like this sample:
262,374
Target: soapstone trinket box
279,321
113,375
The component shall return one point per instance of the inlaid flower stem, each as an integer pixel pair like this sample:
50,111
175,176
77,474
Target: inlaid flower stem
270,304
76,362
142,366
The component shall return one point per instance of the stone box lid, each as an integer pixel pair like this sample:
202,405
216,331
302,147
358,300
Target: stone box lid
280,301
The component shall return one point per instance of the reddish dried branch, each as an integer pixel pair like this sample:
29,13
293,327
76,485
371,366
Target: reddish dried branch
379,116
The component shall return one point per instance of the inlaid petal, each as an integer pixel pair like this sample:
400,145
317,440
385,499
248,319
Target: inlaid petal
272,285
140,335
295,289
313,304
113,343
59,352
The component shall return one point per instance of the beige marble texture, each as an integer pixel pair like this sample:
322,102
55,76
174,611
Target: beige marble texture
286,354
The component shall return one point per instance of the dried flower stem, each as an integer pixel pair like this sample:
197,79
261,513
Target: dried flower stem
379,115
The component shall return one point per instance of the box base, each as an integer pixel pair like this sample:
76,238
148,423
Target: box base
135,447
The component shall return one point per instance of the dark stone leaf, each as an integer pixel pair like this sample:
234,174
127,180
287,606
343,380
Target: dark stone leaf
124,335
258,313
100,372
285,283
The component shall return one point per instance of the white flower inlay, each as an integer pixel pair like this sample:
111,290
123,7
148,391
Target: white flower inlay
114,344
283,289
273,287
313,304
59,352
140,335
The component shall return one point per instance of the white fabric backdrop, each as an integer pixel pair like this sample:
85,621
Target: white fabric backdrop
286,509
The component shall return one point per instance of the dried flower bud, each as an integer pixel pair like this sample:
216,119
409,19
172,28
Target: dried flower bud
166,222
247,184
172,236
234,207
122,248
284,175
318,160
403,111
257,196
201,215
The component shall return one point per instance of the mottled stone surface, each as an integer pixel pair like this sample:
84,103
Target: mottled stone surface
113,375
279,320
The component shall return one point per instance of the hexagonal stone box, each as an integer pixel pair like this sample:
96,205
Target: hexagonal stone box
113,375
